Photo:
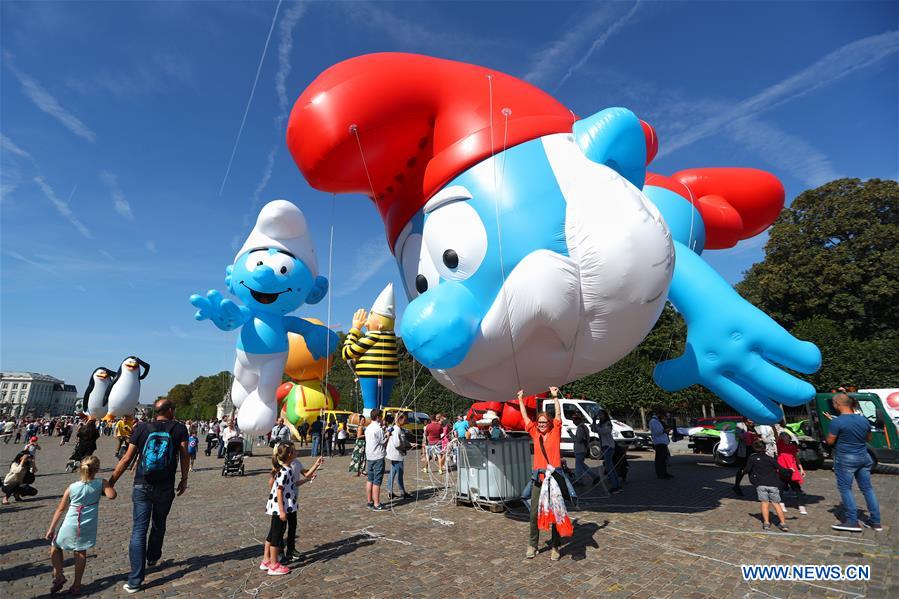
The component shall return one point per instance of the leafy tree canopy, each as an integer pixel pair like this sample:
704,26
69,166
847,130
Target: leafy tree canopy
834,254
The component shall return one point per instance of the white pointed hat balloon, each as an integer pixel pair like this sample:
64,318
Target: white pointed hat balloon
282,225
384,305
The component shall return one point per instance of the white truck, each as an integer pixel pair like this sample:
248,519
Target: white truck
622,434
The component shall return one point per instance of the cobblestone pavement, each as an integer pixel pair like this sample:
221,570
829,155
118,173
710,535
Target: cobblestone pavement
684,537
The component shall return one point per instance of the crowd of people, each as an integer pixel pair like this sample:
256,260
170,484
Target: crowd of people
157,449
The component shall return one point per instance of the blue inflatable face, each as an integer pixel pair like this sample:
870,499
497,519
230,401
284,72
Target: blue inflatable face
536,266
449,254
270,280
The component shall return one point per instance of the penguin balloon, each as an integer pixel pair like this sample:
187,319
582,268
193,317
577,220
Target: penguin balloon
95,395
123,395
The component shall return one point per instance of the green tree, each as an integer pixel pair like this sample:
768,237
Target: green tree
833,254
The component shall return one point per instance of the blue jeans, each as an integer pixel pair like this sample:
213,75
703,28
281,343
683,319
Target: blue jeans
396,472
847,467
151,506
580,466
608,458
316,444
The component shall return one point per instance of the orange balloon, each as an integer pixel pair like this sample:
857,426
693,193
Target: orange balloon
300,366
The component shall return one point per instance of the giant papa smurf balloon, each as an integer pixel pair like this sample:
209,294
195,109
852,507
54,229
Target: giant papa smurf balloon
274,273
530,254
123,395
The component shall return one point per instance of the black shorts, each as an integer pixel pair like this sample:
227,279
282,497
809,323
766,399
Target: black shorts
276,532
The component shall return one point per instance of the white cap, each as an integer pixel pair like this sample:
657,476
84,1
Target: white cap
384,304
281,225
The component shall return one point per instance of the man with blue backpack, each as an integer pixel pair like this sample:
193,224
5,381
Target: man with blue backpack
160,445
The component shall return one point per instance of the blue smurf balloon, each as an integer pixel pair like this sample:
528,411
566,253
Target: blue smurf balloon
273,274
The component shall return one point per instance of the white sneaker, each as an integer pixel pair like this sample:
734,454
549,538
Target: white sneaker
802,510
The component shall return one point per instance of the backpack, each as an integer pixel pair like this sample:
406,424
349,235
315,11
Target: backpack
158,453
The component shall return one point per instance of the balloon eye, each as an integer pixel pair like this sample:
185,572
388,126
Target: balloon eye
259,263
283,270
421,283
451,258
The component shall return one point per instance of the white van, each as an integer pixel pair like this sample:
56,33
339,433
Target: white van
589,410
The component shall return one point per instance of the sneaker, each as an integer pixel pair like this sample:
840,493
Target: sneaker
371,504
151,564
616,491
783,527
130,589
555,555
278,570
378,508
847,526
876,527
738,490
532,553
264,565
425,470
440,471
766,526
803,511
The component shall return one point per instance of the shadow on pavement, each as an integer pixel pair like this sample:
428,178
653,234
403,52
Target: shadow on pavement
6,549
328,551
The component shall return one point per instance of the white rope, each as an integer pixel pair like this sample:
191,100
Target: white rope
499,233
330,281
250,101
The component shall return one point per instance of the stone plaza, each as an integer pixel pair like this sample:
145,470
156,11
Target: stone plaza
685,537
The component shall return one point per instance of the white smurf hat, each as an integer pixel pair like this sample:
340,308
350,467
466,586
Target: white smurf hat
384,304
281,225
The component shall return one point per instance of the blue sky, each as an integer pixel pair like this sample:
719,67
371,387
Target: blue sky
119,121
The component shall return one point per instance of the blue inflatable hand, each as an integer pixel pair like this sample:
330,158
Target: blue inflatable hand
223,313
321,341
733,347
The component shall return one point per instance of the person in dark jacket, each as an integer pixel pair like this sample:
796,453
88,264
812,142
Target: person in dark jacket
87,441
766,476
581,449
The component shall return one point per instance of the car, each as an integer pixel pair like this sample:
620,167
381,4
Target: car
642,440
706,440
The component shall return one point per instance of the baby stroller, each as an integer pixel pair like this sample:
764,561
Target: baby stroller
79,454
233,457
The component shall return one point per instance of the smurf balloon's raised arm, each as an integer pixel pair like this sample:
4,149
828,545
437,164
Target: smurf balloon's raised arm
733,348
274,273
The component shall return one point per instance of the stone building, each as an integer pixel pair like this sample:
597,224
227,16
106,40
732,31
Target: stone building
35,394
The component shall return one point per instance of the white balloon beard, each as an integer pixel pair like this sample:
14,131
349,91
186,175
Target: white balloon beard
559,318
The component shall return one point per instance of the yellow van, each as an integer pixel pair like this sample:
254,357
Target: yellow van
415,421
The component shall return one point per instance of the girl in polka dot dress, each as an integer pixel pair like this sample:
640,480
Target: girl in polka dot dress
282,501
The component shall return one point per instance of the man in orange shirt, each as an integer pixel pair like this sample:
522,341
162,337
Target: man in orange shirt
547,437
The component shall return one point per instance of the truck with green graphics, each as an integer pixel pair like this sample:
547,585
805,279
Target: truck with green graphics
883,447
